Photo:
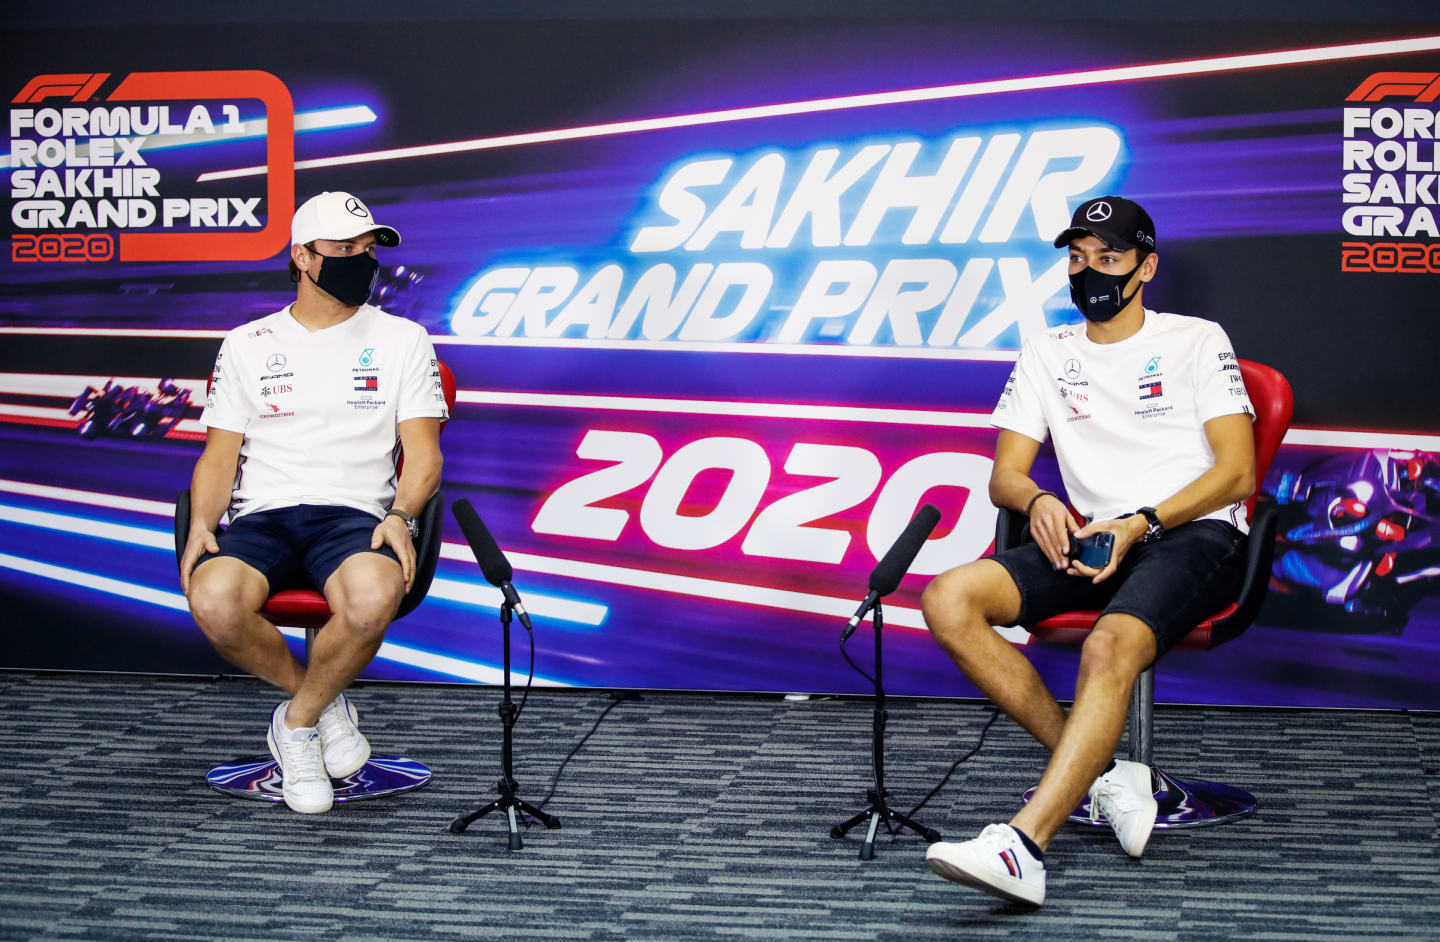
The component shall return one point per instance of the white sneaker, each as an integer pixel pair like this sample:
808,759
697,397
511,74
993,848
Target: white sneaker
306,786
995,862
345,747
1126,798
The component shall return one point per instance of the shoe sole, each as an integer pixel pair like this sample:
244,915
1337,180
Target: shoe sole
1021,893
1154,811
364,757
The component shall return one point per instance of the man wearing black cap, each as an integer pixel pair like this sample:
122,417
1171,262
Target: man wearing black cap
1150,422
306,410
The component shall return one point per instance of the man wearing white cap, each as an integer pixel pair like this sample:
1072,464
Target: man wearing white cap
307,410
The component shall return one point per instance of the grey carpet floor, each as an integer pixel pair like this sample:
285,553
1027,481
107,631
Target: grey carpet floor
685,817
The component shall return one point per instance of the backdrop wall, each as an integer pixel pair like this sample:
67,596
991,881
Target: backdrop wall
726,300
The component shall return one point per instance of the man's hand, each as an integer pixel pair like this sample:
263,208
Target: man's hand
1051,525
200,542
1127,530
393,533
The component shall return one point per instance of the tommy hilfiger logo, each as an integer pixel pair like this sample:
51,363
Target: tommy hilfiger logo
1151,390
367,383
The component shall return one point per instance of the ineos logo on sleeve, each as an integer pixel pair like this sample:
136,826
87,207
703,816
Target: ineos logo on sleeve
356,207
1098,212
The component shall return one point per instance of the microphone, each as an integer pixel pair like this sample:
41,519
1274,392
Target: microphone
493,564
886,575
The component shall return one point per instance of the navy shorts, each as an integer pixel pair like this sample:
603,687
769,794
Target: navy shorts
1172,584
290,545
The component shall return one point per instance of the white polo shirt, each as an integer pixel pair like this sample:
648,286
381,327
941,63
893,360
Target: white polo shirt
1127,419
320,410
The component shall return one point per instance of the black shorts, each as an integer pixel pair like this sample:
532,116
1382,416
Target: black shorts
290,545
1172,584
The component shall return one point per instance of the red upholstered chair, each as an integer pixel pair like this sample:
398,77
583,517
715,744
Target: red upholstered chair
259,777
1190,803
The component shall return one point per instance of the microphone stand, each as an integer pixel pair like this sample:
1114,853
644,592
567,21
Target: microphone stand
507,786
878,809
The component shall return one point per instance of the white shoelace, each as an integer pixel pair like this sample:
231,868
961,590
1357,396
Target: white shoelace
334,722
303,760
1115,799
996,837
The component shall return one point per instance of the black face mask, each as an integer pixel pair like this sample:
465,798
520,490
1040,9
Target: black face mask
1097,294
348,279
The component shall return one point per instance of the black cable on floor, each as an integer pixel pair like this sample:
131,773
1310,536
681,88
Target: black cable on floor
994,715
616,698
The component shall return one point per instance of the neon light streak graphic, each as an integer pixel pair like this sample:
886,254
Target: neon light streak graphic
965,90
321,120
389,651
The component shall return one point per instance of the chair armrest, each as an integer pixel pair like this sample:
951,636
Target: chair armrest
427,552
1010,529
1260,555
182,524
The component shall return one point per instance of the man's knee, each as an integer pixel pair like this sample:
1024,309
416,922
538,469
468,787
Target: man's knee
969,598
221,601
366,596
1119,645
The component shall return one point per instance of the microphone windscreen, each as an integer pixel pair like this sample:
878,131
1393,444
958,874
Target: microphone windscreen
886,575
487,552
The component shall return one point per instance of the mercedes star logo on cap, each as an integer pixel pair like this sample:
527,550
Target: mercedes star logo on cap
1098,212
357,208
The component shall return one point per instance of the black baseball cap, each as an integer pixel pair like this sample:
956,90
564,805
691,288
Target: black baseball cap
1114,220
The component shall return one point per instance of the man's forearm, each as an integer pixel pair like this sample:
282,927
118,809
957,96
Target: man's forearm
1218,487
419,480
1010,488
210,488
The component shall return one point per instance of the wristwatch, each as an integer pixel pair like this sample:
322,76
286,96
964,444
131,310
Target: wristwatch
1156,529
411,523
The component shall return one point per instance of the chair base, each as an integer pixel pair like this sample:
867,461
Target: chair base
1184,803
259,779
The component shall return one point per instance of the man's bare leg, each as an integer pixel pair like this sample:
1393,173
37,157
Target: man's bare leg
364,593
1117,650
226,596
960,606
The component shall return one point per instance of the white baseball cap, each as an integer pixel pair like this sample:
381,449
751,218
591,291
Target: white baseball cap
337,216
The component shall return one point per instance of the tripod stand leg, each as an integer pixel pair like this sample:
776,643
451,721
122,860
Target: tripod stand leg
930,834
867,849
515,842
841,829
459,825
549,820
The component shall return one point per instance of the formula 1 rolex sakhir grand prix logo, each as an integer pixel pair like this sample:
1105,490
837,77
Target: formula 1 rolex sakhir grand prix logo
87,171
1390,148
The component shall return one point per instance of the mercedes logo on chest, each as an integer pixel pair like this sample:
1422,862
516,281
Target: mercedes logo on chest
276,363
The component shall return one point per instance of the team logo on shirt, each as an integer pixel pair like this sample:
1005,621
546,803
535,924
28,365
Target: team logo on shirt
1153,365
275,363
1072,368
367,384
367,356
1151,390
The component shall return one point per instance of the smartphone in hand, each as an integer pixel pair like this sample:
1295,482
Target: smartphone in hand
1093,551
